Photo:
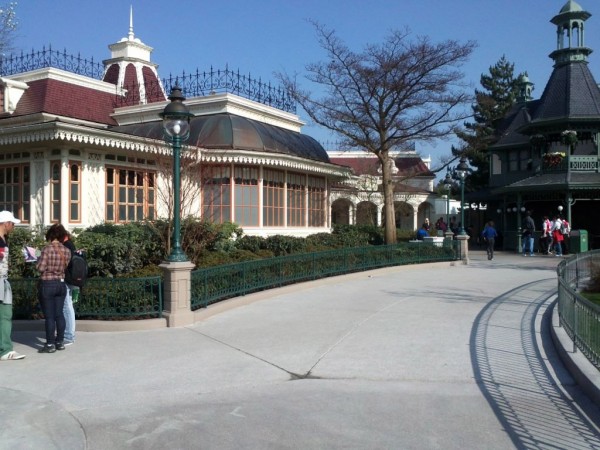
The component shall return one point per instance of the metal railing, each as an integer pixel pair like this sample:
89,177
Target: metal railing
140,298
101,298
41,59
193,84
214,284
578,316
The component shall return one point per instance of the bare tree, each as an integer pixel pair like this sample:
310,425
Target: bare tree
190,189
8,27
389,94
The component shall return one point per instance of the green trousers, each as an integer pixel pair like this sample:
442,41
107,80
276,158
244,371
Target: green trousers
6,312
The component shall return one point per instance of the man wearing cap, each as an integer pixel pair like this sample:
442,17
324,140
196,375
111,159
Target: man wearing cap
7,224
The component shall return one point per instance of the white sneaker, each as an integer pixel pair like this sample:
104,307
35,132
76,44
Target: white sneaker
11,355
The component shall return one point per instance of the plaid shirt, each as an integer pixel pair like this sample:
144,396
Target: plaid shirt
53,261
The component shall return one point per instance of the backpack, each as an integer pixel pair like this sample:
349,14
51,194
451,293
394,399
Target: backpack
77,270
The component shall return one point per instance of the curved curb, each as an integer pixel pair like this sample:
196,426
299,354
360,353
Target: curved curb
580,368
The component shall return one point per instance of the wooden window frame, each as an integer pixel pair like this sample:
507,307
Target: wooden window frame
19,206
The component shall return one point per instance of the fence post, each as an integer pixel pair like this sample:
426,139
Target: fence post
463,239
178,293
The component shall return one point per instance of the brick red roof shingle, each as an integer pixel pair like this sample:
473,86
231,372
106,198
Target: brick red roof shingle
66,99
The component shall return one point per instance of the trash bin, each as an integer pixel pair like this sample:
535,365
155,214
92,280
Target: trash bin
578,241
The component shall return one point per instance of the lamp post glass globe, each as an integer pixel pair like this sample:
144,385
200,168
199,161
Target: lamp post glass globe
176,125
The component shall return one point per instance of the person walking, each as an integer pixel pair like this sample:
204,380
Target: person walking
528,228
7,224
68,310
566,231
489,235
557,236
52,290
546,239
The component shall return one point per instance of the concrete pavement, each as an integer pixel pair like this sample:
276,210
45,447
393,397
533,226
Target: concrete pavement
435,356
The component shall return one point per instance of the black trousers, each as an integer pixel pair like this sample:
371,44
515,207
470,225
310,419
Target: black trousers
51,295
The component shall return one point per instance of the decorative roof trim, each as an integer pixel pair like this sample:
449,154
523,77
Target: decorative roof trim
51,73
57,131
271,160
212,104
53,131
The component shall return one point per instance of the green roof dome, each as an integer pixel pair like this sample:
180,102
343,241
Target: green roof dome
571,6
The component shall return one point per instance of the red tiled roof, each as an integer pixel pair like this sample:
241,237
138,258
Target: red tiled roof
66,99
361,165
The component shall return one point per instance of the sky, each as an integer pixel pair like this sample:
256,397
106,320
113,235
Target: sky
261,37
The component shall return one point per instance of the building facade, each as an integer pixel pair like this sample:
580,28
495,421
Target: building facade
546,158
359,198
82,143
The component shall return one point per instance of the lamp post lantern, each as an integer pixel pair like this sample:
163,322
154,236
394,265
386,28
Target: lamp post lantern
176,125
448,185
461,171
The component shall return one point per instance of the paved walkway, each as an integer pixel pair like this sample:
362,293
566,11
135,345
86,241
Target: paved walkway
436,356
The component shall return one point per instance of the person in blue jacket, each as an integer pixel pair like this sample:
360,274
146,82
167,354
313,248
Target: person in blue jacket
489,235
422,232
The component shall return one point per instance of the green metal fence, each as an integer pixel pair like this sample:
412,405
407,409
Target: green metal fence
578,316
214,284
140,298
102,298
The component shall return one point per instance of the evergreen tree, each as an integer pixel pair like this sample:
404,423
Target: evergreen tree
492,103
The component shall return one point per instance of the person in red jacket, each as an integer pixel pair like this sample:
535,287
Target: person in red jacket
557,235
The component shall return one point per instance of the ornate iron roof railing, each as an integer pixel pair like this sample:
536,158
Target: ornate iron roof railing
196,84
200,84
41,59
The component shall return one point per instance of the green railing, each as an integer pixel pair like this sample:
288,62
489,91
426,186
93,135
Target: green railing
578,316
102,298
214,284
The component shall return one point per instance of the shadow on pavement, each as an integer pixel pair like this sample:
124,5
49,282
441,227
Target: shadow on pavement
509,365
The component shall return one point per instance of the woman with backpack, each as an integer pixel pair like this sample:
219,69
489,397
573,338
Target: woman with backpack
52,264
557,235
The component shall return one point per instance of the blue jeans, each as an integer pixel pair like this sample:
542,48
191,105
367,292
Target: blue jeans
52,298
69,314
528,244
558,248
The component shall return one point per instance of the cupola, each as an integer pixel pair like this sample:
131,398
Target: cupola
130,68
570,30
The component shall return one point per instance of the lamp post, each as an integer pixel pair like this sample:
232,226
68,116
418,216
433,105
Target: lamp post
448,185
176,125
461,171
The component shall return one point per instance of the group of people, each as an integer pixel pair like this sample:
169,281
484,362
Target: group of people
54,295
555,236
440,225
554,239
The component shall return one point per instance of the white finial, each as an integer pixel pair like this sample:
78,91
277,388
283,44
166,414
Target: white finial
131,22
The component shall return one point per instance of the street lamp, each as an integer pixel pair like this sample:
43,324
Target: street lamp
176,125
461,171
448,182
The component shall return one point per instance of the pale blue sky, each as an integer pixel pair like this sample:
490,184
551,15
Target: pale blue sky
263,36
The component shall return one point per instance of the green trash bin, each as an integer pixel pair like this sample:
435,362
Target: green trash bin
578,241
